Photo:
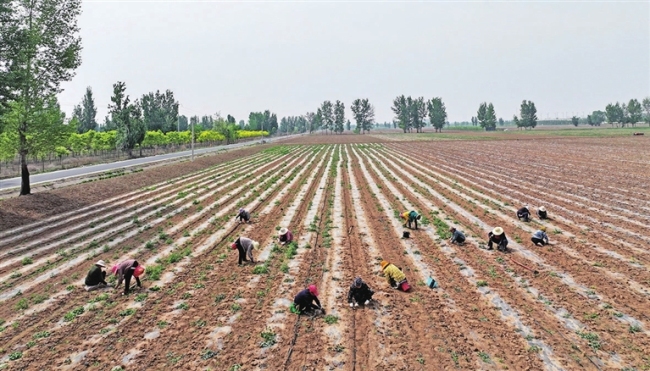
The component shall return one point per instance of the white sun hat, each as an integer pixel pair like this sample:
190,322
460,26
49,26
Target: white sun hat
542,208
498,231
283,231
101,264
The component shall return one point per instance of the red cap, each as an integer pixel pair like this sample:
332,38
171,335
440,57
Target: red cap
313,290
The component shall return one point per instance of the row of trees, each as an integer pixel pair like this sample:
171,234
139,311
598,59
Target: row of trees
628,114
330,117
159,111
410,113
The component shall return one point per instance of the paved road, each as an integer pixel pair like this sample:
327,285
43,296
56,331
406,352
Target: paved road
86,170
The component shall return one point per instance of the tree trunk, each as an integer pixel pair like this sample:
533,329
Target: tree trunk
25,188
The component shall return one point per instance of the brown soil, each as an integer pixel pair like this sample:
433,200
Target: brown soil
585,304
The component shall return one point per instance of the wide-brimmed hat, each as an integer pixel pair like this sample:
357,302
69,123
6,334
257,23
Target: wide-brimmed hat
283,231
543,229
313,290
498,231
542,208
383,264
101,264
256,245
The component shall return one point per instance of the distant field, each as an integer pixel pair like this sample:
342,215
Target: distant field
513,133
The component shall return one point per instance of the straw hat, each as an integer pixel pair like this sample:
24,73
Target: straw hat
256,245
542,208
384,263
543,229
101,264
283,231
498,231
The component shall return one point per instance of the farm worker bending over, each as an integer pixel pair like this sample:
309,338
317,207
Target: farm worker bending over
359,293
304,301
541,212
96,277
457,236
396,279
498,237
523,213
540,237
285,236
245,247
243,216
124,271
410,217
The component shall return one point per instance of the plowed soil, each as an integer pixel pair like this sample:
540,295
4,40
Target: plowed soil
581,302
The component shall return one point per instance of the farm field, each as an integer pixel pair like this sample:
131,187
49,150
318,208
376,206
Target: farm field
587,307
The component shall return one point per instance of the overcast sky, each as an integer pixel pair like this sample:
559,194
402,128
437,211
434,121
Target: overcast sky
236,57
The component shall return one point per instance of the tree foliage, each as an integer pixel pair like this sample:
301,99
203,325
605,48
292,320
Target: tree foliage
410,113
46,130
327,116
634,112
339,117
364,114
262,121
575,121
615,114
528,115
437,113
127,117
160,111
86,113
486,117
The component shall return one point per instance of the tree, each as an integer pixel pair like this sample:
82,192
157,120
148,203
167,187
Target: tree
227,129
634,112
327,115
418,112
310,117
364,114
528,114
160,111
490,117
41,48
401,110
480,114
183,123
86,113
437,113
646,108
339,117
575,121
231,119
615,114
348,125
597,118
501,122
127,116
